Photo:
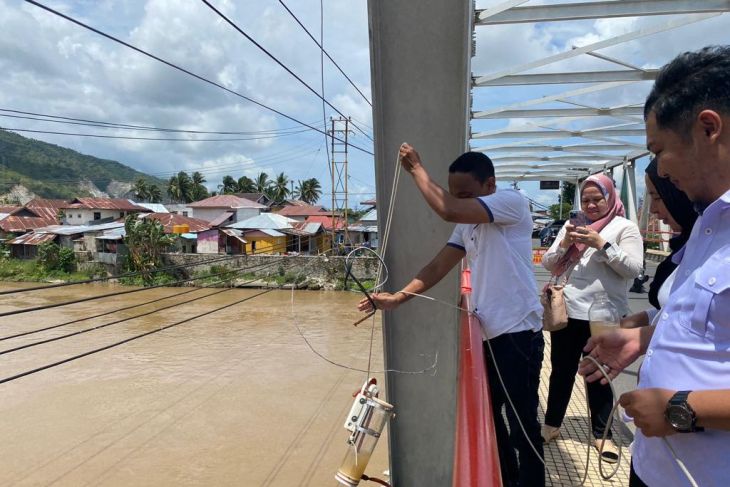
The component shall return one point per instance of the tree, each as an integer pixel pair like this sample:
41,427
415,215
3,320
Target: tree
154,193
568,193
141,190
180,188
246,185
262,183
279,189
146,240
199,192
308,190
228,185
556,213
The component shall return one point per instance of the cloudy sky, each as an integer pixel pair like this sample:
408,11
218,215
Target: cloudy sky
54,67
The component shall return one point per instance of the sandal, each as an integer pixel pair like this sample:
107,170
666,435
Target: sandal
609,452
549,433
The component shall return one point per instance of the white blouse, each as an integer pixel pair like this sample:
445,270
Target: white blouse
611,270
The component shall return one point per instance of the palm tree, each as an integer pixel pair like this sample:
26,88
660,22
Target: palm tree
141,190
154,193
228,185
280,188
199,192
262,183
309,190
180,188
246,185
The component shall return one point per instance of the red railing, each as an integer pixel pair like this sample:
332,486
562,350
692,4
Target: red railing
476,460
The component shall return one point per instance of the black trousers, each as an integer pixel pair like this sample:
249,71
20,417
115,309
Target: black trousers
634,480
519,358
565,354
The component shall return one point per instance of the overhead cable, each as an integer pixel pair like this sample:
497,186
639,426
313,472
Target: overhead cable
322,49
277,61
127,318
114,125
188,72
127,340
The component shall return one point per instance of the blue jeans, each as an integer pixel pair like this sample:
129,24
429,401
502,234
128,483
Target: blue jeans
519,359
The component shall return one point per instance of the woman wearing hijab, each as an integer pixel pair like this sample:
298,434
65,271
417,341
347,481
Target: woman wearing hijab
605,255
672,206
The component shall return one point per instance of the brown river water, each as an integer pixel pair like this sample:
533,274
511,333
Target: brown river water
232,398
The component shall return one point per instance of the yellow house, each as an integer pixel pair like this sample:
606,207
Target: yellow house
265,242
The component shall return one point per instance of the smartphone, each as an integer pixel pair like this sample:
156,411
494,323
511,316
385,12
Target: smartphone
578,218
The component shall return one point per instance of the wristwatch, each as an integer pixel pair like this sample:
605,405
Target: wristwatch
681,415
606,246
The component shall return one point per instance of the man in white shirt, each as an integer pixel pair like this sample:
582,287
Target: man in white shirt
494,231
685,377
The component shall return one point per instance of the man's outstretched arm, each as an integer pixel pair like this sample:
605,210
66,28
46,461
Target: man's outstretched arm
447,206
426,278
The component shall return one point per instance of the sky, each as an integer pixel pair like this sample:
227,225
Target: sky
54,67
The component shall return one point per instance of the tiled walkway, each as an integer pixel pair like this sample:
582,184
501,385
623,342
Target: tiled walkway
565,458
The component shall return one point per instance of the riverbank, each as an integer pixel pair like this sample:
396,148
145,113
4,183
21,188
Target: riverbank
259,271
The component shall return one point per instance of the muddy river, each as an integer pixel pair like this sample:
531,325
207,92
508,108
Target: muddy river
232,398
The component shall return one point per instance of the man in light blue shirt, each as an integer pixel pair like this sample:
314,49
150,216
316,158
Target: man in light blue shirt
682,404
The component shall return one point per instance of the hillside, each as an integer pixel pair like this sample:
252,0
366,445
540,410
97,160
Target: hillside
51,171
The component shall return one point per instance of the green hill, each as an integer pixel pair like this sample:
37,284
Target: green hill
51,171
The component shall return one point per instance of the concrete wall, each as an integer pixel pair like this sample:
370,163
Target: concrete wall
72,215
330,269
208,242
420,71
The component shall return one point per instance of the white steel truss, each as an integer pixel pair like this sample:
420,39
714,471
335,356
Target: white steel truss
583,138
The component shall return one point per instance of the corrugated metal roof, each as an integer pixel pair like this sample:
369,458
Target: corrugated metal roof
370,216
302,210
120,204
14,223
231,232
9,209
363,228
114,234
32,238
153,207
304,229
75,229
327,221
265,232
169,220
225,201
271,221
220,219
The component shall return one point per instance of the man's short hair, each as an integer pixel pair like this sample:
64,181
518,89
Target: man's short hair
690,83
475,163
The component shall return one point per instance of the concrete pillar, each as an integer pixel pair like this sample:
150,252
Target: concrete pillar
420,80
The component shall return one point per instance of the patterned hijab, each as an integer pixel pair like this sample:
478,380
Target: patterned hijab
615,208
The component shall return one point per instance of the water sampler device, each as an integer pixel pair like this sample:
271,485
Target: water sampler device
365,422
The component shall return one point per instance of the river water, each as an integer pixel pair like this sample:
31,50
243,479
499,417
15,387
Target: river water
232,398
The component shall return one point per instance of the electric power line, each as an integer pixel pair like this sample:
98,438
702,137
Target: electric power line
130,137
122,320
277,61
181,69
116,125
127,340
320,45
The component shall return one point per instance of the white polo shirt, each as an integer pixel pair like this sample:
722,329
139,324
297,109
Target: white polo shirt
504,290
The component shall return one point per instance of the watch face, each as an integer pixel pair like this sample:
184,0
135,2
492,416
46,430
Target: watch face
679,417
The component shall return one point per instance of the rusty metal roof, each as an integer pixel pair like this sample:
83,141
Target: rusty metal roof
14,223
168,220
327,221
225,201
31,238
303,229
302,210
120,204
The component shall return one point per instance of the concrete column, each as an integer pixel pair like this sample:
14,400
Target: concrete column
420,82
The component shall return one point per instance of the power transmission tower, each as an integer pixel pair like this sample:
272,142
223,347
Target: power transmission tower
339,135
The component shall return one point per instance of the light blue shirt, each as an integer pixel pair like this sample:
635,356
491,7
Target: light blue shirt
690,350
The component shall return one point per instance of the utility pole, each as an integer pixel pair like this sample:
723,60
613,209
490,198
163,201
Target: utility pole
339,133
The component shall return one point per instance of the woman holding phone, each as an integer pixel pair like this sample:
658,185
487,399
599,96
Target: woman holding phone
599,251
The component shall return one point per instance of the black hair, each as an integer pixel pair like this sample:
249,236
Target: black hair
690,83
682,210
475,163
